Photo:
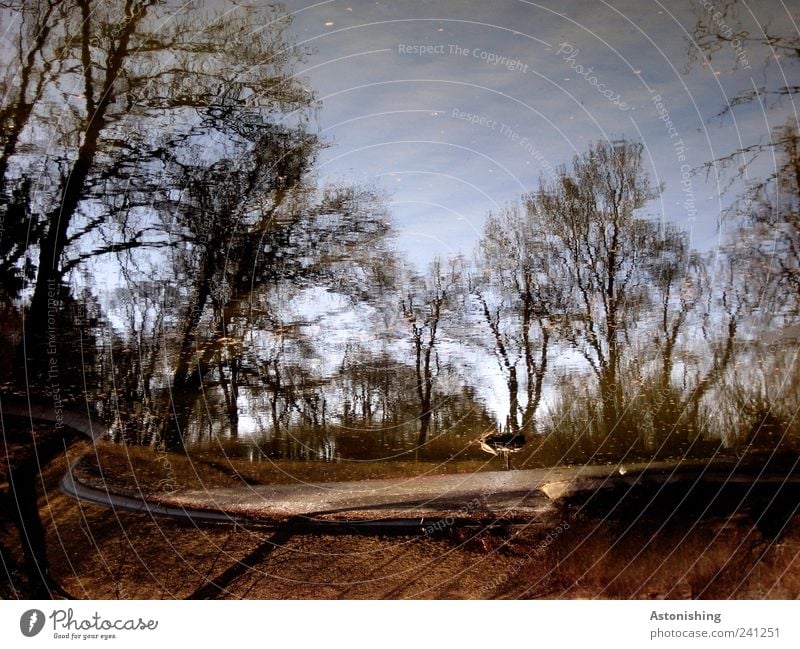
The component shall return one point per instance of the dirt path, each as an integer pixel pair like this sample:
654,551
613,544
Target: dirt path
636,538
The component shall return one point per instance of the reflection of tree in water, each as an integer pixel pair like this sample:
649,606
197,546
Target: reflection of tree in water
186,174
428,304
146,87
367,409
172,162
172,110
165,249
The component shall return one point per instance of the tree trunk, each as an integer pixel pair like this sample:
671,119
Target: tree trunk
535,373
513,400
608,398
424,425
54,242
23,480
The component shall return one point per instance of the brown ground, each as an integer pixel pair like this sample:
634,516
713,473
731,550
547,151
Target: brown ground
594,550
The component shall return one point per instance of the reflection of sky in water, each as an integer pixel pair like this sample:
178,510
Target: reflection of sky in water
404,119
457,109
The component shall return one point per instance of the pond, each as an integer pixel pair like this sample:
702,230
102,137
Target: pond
451,246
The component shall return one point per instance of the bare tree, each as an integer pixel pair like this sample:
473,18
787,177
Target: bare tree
590,215
728,301
226,210
676,274
764,245
734,33
519,299
425,302
120,75
34,52
251,225
768,234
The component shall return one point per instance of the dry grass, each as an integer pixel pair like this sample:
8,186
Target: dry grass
608,551
100,553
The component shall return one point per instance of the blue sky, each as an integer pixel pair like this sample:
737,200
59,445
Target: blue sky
457,108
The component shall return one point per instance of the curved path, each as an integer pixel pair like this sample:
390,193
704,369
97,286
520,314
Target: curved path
412,505
403,505
16,407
